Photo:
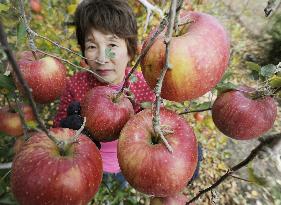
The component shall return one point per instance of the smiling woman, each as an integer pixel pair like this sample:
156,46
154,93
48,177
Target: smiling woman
106,55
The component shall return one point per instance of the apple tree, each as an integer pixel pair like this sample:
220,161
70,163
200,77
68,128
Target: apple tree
184,57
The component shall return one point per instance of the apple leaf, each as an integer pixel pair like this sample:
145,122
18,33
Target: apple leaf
31,124
145,105
7,199
223,87
202,106
275,81
268,70
7,82
71,8
4,7
21,33
253,66
252,177
2,134
226,76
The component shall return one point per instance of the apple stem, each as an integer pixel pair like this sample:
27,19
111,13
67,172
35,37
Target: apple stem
34,55
74,139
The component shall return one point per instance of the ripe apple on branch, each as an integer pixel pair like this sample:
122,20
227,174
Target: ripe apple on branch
145,161
10,119
41,173
106,112
46,77
198,58
239,115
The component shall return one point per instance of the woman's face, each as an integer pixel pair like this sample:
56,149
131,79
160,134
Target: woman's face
107,55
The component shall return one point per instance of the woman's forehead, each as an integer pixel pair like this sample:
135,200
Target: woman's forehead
94,34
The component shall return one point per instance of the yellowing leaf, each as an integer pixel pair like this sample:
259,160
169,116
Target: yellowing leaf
222,166
4,7
31,124
275,81
254,178
71,8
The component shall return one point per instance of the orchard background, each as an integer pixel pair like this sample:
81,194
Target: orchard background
255,42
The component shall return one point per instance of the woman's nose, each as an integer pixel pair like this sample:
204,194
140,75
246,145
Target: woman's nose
101,58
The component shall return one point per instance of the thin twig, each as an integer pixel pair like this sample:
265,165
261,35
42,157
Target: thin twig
30,33
58,45
192,111
66,61
22,119
78,132
236,177
264,142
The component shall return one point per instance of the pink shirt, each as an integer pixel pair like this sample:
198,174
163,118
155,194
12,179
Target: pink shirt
79,84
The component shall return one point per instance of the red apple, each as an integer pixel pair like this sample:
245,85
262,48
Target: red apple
39,17
178,199
146,162
42,175
10,119
239,116
46,77
35,6
198,117
105,117
198,58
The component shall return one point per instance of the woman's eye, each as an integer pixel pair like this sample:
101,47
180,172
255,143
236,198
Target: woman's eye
91,47
112,45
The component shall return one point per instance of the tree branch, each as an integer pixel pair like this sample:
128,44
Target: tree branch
167,65
22,81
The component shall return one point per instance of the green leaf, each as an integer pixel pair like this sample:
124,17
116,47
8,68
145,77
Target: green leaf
21,33
2,134
275,81
31,124
7,82
223,87
145,105
253,66
226,76
268,70
7,199
4,7
202,106
252,177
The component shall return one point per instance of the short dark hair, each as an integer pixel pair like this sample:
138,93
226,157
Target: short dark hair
114,16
